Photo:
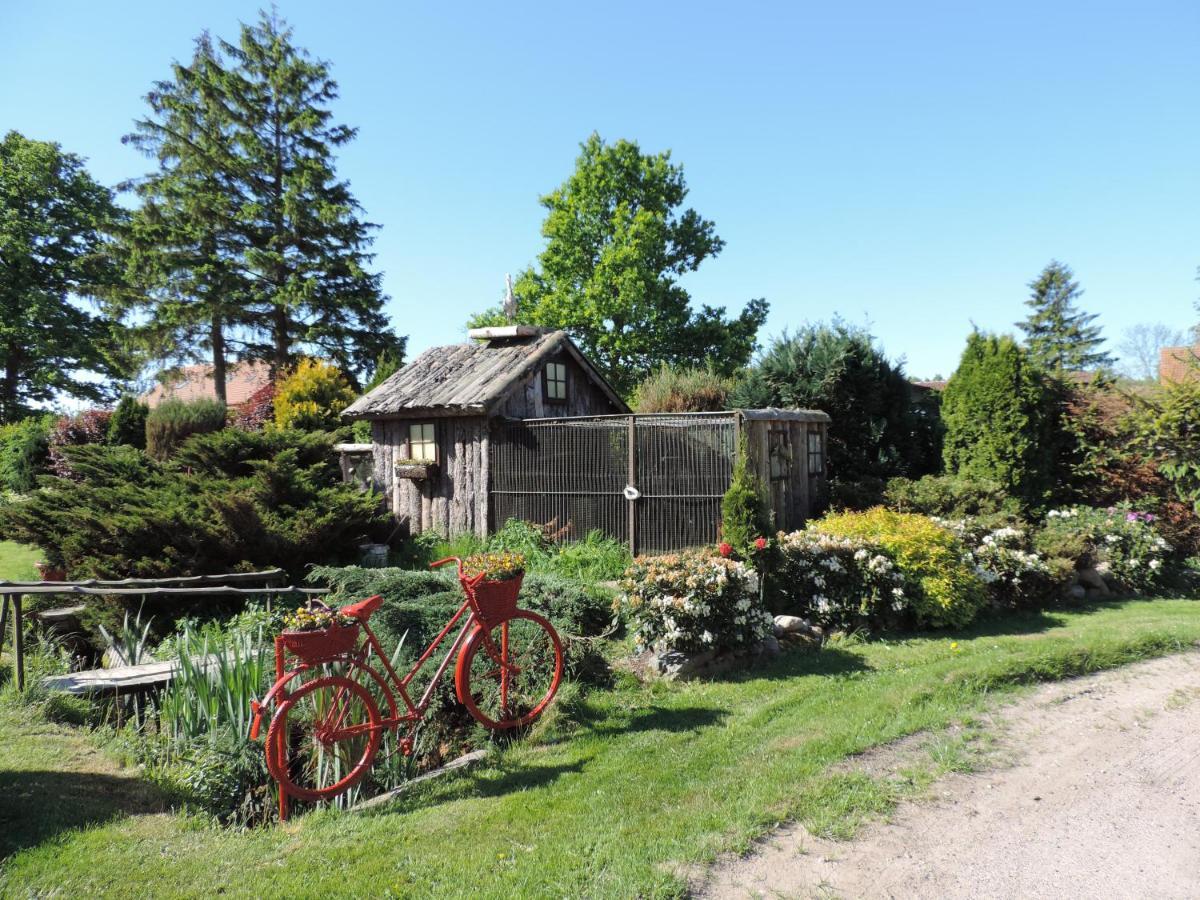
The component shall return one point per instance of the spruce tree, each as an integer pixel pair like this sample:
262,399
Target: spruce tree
188,286
307,249
1061,337
246,240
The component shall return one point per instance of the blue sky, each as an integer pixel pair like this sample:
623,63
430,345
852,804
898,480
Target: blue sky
911,166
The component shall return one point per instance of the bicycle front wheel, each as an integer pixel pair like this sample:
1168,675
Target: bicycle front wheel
323,738
508,672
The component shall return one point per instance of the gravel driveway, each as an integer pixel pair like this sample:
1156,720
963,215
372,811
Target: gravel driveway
1101,799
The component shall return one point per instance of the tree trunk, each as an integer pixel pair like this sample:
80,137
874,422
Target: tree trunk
9,411
218,357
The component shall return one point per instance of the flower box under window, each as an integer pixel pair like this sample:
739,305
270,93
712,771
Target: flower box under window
416,469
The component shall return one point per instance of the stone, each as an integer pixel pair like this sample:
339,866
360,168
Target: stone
789,625
770,646
1077,592
1094,581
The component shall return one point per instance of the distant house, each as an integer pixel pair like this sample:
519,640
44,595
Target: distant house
187,383
518,423
1179,364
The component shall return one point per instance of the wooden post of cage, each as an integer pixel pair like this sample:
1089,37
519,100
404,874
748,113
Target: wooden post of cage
633,544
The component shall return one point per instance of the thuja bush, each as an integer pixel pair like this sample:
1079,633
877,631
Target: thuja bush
942,587
128,423
744,517
174,421
231,500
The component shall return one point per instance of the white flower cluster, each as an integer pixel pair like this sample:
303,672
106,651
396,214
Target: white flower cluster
838,581
693,601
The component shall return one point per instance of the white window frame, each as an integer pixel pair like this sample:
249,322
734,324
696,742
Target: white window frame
556,382
422,441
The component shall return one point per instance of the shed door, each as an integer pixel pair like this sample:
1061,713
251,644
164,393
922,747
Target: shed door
779,454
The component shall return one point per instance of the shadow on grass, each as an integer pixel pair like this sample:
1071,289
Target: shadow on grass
38,805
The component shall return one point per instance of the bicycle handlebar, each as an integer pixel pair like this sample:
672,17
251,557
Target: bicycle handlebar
448,559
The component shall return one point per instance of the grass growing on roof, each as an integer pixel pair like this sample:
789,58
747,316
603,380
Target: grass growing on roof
615,792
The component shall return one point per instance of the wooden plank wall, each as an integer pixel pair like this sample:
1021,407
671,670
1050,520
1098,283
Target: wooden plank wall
584,398
454,501
794,500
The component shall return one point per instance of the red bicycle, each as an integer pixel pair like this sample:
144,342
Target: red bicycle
325,731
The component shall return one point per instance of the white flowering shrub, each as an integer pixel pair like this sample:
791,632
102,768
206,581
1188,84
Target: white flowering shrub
1005,560
693,601
1120,543
839,582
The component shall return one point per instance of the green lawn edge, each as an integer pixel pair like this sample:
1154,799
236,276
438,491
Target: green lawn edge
618,791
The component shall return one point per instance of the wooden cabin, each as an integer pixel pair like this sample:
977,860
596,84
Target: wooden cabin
430,421
520,424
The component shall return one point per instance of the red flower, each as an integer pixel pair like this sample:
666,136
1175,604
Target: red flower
725,549
760,543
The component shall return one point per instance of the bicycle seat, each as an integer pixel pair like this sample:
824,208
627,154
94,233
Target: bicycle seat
363,608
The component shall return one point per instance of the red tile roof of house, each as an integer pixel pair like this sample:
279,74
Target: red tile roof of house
1178,364
196,382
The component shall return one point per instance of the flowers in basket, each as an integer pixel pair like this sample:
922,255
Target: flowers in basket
315,618
505,566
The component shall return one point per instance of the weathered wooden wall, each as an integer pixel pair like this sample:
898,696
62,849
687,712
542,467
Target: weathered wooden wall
793,495
452,501
584,397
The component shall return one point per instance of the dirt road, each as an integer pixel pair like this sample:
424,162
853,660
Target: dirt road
1097,795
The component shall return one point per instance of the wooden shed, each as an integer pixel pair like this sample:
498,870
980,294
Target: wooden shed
431,421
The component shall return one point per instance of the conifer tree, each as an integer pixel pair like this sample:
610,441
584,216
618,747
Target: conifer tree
1060,337
307,249
246,238
183,250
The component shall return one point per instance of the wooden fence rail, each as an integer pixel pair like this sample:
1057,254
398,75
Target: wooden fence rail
12,592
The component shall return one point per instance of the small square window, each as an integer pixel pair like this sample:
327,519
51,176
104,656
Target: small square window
556,382
421,444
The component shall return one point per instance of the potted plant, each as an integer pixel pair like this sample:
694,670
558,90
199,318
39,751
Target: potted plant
494,581
50,572
416,469
315,632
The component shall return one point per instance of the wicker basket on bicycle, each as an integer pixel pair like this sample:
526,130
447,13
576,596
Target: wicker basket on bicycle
318,633
493,581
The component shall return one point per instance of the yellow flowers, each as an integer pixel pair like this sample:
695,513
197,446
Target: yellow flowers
314,619
954,647
497,566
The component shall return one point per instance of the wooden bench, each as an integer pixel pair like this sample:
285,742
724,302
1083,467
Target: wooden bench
122,680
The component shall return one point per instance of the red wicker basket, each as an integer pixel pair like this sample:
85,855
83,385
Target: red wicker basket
497,600
311,646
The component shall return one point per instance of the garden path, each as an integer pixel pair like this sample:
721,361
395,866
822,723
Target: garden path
1097,795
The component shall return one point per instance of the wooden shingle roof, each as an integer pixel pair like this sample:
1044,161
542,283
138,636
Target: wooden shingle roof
468,379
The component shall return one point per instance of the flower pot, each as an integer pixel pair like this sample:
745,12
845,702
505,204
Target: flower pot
415,471
47,572
314,646
497,600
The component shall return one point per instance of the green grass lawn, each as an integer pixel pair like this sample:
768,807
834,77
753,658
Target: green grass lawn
619,789
16,561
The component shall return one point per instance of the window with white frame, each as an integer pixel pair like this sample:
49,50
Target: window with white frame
421,444
556,382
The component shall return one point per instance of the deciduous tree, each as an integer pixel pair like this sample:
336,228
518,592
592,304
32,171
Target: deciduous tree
54,222
618,241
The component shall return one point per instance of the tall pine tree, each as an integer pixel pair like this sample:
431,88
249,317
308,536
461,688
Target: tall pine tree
308,252
1060,337
184,253
246,240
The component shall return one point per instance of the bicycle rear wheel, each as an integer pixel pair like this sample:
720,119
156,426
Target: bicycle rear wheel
508,672
323,738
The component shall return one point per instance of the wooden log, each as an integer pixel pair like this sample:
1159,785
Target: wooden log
461,763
